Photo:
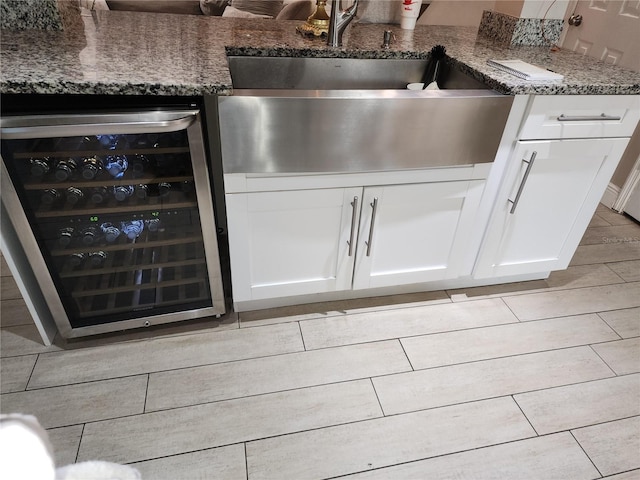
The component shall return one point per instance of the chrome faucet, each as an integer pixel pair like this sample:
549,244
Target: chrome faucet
339,21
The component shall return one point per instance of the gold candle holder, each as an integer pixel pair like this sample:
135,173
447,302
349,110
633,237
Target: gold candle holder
318,23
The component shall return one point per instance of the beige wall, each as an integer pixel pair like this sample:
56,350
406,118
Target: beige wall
509,7
469,12
533,8
455,12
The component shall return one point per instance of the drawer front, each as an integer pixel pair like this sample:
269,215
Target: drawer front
581,116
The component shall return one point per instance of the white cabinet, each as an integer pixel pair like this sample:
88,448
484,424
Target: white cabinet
414,233
299,242
552,185
288,243
557,199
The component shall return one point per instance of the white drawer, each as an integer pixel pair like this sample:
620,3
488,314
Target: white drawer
581,116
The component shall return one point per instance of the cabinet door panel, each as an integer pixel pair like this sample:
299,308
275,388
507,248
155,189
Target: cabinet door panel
559,196
419,232
290,243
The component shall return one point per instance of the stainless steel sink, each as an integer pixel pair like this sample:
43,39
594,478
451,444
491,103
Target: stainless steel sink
296,115
302,73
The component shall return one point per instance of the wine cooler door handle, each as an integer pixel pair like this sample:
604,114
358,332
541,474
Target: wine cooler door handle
46,126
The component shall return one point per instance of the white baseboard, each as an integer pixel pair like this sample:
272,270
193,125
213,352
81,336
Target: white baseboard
610,195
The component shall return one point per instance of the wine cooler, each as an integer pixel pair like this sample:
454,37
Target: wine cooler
115,214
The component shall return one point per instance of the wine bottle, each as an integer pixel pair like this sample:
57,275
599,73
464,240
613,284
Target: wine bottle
110,231
76,259
164,189
116,165
99,194
50,196
65,236
139,165
98,258
74,195
142,191
91,167
40,166
90,235
107,141
153,224
89,143
122,192
132,229
65,169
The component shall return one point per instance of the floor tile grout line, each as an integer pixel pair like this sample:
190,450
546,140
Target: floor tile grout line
589,425
510,309
146,395
405,353
603,360
610,326
577,314
375,392
604,422
48,387
503,395
79,443
304,347
26,386
246,461
576,288
513,397
385,339
457,452
197,450
606,264
502,357
274,392
585,452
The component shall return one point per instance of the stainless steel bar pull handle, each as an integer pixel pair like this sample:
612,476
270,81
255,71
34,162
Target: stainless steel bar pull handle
587,118
374,206
524,181
354,210
72,125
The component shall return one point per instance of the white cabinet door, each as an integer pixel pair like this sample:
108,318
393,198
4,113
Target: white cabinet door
291,242
541,232
414,233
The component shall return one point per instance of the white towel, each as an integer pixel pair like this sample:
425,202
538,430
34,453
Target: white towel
26,454
25,451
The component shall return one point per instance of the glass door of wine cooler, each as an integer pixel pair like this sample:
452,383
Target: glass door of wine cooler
115,214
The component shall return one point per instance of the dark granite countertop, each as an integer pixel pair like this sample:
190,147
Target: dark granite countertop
131,53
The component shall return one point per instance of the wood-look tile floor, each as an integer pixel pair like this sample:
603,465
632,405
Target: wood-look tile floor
534,380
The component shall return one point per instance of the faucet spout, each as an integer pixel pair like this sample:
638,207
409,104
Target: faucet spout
339,21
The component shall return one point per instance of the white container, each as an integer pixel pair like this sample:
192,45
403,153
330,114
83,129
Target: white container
410,11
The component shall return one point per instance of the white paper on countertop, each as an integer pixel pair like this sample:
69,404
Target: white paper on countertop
524,70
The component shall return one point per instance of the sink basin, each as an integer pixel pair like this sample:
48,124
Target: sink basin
297,115
302,73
